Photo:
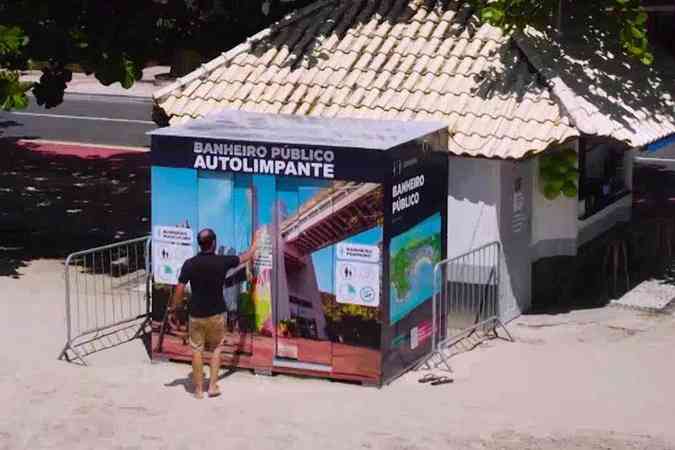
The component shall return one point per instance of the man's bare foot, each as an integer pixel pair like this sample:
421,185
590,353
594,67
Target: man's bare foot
199,395
214,391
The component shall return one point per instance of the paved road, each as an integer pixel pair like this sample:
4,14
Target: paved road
94,119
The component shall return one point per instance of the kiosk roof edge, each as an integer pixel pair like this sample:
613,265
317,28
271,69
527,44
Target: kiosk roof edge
239,125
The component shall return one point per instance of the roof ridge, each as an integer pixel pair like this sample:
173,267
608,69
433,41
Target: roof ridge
215,63
559,89
434,111
534,98
476,152
380,59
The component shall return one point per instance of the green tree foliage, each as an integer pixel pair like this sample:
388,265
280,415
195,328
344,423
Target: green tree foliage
626,18
114,40
559,174
12,91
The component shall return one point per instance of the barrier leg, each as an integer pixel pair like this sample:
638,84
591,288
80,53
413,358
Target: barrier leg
64,354
501,325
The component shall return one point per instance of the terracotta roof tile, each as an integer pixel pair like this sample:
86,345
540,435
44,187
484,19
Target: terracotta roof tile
608,94
191,87
399,59
167,104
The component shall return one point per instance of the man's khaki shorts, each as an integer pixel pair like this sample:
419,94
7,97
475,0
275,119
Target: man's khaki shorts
207,333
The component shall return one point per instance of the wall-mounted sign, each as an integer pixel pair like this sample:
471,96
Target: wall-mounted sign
171,247
173,235
519,215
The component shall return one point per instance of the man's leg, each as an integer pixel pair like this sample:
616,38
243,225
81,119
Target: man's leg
214,368
215,338
198,373
197,342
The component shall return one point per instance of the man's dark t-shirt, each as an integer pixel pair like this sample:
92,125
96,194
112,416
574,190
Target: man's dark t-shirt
206,275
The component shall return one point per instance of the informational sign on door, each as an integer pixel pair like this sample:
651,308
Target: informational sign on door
171,247
357,274
358,252
519,214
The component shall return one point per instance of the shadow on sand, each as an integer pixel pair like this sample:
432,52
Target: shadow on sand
54,204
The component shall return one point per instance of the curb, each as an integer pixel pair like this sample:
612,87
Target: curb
111,97
85,144
664,310
119,98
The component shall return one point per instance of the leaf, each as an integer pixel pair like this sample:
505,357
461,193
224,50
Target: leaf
492,14
118,69
634,50
647,59
132,73
12,39
20,101
12,91
636,32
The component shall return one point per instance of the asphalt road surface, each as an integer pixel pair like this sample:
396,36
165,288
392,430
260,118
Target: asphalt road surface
91,119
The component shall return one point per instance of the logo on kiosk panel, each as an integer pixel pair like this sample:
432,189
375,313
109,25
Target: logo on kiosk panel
358,252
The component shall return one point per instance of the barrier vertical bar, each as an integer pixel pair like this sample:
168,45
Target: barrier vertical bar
468,293
94,287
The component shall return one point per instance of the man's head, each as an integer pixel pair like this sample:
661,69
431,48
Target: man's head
207,240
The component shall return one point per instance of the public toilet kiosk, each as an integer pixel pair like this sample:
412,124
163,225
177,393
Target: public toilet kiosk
346,219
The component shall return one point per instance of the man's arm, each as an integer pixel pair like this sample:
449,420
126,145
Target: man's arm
179,293
246,256
178,297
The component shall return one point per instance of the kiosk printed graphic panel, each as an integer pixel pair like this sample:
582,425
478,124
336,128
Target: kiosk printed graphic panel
416,243
327,221
286,305
314,221
412,257
171,187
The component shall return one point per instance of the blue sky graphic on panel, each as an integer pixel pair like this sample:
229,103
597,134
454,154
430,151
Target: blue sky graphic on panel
174,197
216,206
225,206
243,221
265,191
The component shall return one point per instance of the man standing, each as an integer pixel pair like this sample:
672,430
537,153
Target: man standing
206,274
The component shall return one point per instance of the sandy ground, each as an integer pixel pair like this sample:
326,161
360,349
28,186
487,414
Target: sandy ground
593,379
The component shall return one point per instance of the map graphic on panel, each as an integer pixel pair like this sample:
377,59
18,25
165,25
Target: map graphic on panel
413,255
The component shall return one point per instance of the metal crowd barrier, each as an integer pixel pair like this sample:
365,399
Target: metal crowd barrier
466,300
107,297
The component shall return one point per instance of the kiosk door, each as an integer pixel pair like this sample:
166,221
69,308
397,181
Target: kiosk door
225,207
304,261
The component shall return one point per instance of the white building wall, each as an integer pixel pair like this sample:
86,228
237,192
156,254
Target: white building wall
473,188
480,212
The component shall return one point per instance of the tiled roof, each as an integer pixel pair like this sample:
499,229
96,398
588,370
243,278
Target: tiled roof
392,59
604,92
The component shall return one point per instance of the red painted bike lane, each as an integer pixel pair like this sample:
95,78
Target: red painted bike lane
80,150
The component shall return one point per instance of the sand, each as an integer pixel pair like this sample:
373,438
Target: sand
592,379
